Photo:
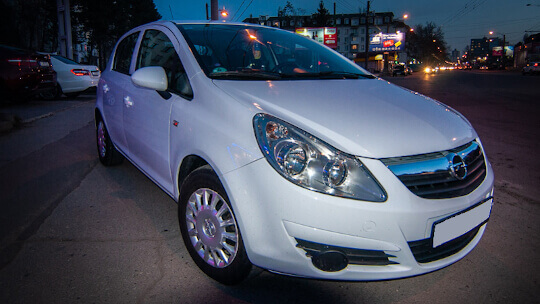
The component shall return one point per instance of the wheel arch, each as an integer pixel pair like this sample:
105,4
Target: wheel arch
97,116
189,164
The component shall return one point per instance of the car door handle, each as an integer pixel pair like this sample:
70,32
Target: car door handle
128,102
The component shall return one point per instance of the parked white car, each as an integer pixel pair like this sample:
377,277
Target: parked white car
73,77
283,154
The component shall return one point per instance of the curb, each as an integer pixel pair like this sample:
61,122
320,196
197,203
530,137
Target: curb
5,126
7,122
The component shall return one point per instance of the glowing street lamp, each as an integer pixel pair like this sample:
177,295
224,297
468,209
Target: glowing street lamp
224,13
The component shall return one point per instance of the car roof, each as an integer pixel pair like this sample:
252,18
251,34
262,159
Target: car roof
207,22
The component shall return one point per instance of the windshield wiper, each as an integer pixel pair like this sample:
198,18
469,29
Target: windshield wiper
329,75
246,75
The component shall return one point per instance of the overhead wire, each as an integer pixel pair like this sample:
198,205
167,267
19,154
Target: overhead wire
346,5
240,7
466,9
240,16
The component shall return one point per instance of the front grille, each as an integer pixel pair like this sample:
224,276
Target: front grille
431,175
424,252
354,256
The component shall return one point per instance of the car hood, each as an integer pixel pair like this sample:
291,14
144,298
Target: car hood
365,117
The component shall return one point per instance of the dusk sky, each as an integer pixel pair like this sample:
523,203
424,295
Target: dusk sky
461,20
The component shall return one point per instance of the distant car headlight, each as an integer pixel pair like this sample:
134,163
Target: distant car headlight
311,163
427,70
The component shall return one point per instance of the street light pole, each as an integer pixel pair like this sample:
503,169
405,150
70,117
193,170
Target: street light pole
367,37
214,10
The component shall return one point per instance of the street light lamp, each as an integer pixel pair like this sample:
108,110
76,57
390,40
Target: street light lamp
224,13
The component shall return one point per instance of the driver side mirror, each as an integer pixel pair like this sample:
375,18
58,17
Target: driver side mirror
152,77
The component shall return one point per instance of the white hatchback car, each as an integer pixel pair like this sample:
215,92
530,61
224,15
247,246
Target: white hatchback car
283,154
73,77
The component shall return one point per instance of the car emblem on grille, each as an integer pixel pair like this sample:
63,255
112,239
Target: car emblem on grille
458,168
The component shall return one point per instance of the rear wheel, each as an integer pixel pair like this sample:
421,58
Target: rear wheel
108,155
209,228
52,94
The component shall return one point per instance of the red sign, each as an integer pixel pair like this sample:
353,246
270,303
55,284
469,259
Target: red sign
388,43
330,37
324,35
497,51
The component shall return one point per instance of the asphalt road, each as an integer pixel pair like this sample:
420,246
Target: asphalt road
76,232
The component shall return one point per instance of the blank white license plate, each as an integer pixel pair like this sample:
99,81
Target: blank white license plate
461,223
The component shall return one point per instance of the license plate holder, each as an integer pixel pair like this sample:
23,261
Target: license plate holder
460,223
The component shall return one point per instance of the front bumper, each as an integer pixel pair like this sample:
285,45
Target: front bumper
277,218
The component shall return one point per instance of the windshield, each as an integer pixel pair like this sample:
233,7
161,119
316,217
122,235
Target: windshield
226,51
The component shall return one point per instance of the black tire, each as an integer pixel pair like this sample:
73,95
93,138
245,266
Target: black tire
72,95
217,249
107,153
52,94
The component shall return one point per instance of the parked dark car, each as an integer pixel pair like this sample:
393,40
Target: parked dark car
399,70
23,74
531,68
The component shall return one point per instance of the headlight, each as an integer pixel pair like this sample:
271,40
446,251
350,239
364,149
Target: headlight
311,163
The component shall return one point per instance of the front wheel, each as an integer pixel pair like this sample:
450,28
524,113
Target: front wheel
209,228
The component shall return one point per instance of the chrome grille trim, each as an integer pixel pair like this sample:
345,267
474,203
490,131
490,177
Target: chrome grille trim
431,175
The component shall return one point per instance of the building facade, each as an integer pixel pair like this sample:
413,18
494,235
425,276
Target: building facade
527,51
352,33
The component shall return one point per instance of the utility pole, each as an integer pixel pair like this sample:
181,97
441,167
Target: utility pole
64,28
214,10
367,37
504,52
